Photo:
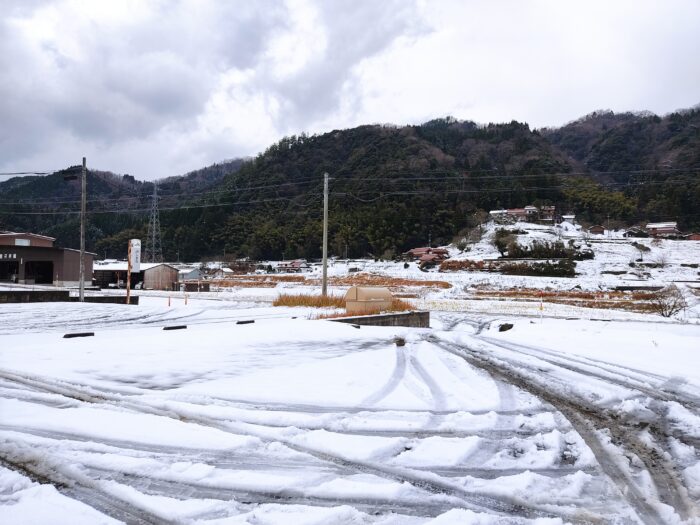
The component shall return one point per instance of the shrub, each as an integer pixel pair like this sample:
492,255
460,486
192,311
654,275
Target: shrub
562,268
464,264
669,301
546,250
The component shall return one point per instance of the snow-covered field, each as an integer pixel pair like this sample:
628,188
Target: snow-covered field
571,415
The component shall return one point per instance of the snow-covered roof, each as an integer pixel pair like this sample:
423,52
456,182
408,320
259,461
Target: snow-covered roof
658,225
15,234
121,266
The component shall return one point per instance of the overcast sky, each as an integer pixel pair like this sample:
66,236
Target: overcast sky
159,88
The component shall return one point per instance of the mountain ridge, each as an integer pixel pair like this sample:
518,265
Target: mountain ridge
393,187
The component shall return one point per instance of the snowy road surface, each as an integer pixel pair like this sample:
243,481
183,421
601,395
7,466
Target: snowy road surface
298,421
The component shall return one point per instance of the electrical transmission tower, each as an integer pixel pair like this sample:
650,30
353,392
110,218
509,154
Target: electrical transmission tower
154,251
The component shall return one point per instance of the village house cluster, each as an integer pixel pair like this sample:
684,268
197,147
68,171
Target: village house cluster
549,215
541,214
29,258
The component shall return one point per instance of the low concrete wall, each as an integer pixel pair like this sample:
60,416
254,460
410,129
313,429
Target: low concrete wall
113,299
57,296
33,296
410,319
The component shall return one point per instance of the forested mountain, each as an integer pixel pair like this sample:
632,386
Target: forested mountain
117,204
653,161
391,187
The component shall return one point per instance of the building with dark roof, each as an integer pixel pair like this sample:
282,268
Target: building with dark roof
29,258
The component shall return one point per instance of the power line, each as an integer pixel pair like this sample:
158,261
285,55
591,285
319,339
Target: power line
383,193
178,208
60,200
231,192
20,173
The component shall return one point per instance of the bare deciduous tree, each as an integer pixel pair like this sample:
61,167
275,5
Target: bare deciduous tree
669,301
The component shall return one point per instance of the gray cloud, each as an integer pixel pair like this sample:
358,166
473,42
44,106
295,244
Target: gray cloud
159,88
356,32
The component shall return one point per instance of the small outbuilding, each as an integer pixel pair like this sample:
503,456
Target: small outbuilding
367,299
160,277
596,230
153,276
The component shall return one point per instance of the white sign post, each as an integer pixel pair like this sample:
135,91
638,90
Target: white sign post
133,264
135,255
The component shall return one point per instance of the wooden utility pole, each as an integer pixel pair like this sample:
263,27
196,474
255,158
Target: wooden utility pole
324,287
128,274
82,231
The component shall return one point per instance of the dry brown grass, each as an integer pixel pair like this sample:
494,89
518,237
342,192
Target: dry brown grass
313,301
397,305
567,294
367,279
257,281
637,301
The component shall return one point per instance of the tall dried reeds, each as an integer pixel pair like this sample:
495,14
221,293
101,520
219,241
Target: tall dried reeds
313,301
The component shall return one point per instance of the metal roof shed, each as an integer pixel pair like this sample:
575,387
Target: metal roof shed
367,299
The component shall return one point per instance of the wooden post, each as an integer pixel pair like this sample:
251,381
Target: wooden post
83,191
128,274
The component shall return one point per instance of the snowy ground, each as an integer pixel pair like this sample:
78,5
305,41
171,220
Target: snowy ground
573,415
289,420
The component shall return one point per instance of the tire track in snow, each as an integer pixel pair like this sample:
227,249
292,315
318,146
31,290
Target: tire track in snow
151,485
588,421
439,398
330,409
564,361
396,376
479,502
69,482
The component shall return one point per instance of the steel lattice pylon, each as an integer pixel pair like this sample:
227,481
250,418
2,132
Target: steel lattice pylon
154,251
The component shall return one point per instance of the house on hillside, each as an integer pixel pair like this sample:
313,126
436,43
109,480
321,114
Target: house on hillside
635,231
548,214
569,217
663,229
189,274
295,266
692,237
596,230
427,254
222,273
